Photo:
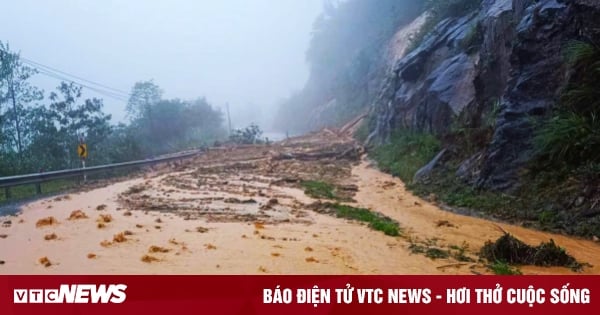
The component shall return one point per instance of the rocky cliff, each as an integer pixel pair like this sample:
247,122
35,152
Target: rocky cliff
501,64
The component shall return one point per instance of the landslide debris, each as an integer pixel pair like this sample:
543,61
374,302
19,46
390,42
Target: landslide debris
251,183
511,250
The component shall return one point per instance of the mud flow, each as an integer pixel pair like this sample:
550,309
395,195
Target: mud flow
308,205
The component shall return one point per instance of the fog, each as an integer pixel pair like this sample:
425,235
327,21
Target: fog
248,53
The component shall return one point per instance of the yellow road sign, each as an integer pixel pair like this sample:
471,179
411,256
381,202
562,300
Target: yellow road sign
82,150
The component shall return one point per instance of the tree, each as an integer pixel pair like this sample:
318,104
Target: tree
75,120
346,59
18,93
35,136
122,144
144,95
182,124
248,135
205,124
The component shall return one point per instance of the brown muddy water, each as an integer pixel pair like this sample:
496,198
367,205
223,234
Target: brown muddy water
242,211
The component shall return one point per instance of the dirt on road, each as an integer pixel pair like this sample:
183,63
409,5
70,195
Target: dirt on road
244,210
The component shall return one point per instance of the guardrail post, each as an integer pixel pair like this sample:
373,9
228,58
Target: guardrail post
7,192
38,188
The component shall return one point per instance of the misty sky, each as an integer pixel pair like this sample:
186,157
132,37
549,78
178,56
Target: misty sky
241,51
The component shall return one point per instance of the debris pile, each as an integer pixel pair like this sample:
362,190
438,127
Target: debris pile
513,251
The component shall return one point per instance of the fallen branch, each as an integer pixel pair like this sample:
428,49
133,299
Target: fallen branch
452,265
347,153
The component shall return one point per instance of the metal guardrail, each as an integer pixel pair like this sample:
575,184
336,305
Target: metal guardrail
38,178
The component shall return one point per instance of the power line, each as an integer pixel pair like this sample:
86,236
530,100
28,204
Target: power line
37,64
99,91
64,76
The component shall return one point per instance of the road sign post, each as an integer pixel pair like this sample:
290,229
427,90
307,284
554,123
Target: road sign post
84,174
82,152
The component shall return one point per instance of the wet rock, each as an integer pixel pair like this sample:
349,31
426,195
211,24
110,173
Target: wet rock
498,7
579,201
538,74
519,61
469,169
430,85
452,85
422,176
590,212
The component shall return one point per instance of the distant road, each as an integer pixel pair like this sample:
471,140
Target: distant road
274,135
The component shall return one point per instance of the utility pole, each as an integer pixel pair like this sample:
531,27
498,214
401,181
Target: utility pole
228,117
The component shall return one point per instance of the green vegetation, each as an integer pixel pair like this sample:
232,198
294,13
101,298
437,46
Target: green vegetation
28,191
571,137
511,250
24,192
416,248
248,135
567,160
459,253
345,53
362,132
453,192
319,189
40,132
558,185
435,253
376,221
406,153
502,268
430,249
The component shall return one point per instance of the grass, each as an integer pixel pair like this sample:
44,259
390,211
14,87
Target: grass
502,268
24,192
430,249
540,202
570,137
319,189
362,132
435,253
453,192
375,220
406,153
416,248
28,191
459,253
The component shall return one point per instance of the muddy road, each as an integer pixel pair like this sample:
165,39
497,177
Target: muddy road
244,210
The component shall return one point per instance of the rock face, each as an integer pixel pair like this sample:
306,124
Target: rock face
422,176
509,56
335,109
